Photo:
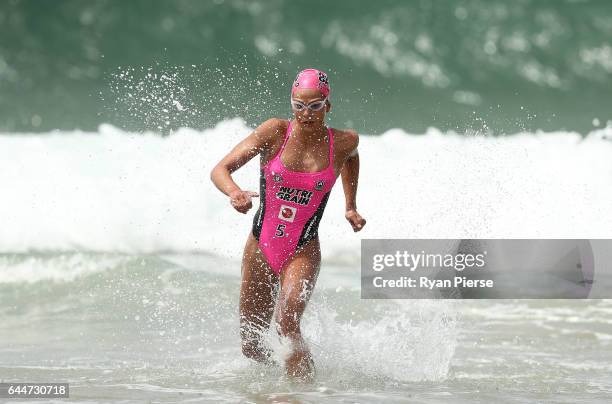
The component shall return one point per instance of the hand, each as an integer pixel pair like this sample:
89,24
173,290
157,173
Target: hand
355,219
241,200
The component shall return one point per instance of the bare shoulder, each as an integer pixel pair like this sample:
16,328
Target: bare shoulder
345,141
270,130
270,135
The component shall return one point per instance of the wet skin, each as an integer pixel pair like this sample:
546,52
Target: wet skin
264,296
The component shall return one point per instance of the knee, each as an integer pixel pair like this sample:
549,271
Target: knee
287,324
251,349
251,333
251,344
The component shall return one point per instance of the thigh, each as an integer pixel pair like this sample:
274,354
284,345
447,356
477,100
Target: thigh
297,281
258,288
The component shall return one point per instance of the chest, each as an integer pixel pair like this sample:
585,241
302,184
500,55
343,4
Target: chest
298,161
305,160
282,180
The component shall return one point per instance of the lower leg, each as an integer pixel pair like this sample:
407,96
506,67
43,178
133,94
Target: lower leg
253,342
297,283
257,300
299,363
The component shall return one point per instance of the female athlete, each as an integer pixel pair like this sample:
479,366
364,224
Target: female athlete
300,160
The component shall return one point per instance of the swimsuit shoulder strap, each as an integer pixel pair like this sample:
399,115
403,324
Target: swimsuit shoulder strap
280,151
287,133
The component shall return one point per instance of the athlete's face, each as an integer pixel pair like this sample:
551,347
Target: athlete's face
307,116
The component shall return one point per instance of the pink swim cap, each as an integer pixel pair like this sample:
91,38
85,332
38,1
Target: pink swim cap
311,78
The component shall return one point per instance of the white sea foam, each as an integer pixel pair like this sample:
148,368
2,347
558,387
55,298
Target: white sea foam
58,268
119,191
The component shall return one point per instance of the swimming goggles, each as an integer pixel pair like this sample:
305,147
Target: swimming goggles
313,106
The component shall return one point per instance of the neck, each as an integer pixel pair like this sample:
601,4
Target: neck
309,134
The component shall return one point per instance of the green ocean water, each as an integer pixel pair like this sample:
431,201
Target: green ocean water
461,65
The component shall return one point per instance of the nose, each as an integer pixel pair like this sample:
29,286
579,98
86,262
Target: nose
307,113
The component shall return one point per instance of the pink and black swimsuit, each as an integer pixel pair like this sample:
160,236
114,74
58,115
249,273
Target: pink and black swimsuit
291,206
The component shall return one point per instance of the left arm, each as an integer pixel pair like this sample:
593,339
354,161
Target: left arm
350,179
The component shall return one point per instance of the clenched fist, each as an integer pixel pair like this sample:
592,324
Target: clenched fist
357,222
241,200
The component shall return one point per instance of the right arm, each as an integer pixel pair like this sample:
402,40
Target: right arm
259,140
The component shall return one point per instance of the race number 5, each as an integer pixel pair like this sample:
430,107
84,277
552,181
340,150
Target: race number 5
280,230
